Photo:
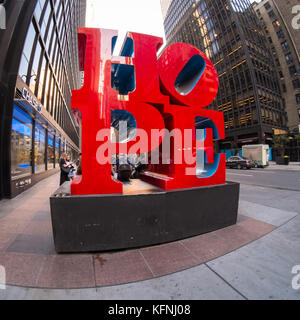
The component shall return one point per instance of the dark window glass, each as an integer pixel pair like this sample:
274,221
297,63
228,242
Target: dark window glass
292,70
267,5
298,98
296,84
280,34
285,45
271,14
284,87
289,58
21,144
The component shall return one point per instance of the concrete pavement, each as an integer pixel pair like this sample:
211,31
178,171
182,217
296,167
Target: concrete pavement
293,166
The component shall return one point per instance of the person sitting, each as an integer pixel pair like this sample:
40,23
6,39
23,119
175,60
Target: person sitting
78,164
122,168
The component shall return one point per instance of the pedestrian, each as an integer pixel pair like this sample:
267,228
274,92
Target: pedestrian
71,167
64,169
78,164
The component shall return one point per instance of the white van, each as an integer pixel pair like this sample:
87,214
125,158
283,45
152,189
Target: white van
258,152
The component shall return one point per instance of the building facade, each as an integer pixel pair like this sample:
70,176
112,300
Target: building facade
276,16
165,4
230,34
39,67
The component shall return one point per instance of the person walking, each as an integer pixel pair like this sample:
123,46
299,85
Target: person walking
64,169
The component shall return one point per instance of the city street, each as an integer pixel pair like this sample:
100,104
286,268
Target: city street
281,179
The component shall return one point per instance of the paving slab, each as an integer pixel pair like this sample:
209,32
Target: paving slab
273,216
274,198
262,270
198,283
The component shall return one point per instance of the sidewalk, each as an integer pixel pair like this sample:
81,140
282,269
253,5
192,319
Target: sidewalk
251,260
293,166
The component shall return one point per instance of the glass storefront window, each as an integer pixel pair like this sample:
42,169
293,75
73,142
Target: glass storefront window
57,151
40,148
21,144
50,151
62,146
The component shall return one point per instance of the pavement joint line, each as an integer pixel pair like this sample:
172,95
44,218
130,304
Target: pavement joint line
146,262
206,263
297,214
240,174
286,222
94,270
40,270
270,186
223,279
197,258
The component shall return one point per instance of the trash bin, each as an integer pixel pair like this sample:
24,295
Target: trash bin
283,160
286,160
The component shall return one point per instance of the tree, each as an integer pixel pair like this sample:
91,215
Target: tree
280,143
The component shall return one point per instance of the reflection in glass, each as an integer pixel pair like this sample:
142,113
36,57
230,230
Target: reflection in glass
21,144
50,151
40,148
57,151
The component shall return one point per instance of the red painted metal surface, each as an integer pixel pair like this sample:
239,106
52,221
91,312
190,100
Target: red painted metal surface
155,104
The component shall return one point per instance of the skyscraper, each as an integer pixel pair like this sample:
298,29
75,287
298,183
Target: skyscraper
230,34
38,69
165,4
276,16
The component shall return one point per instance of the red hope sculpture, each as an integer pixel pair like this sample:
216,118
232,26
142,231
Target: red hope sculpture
155,104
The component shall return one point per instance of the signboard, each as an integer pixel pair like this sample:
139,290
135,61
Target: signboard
28,97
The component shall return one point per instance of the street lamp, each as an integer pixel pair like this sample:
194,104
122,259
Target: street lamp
26,76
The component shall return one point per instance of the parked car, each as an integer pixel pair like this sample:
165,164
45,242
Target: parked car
237,162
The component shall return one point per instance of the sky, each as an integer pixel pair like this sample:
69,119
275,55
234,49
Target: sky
142,16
